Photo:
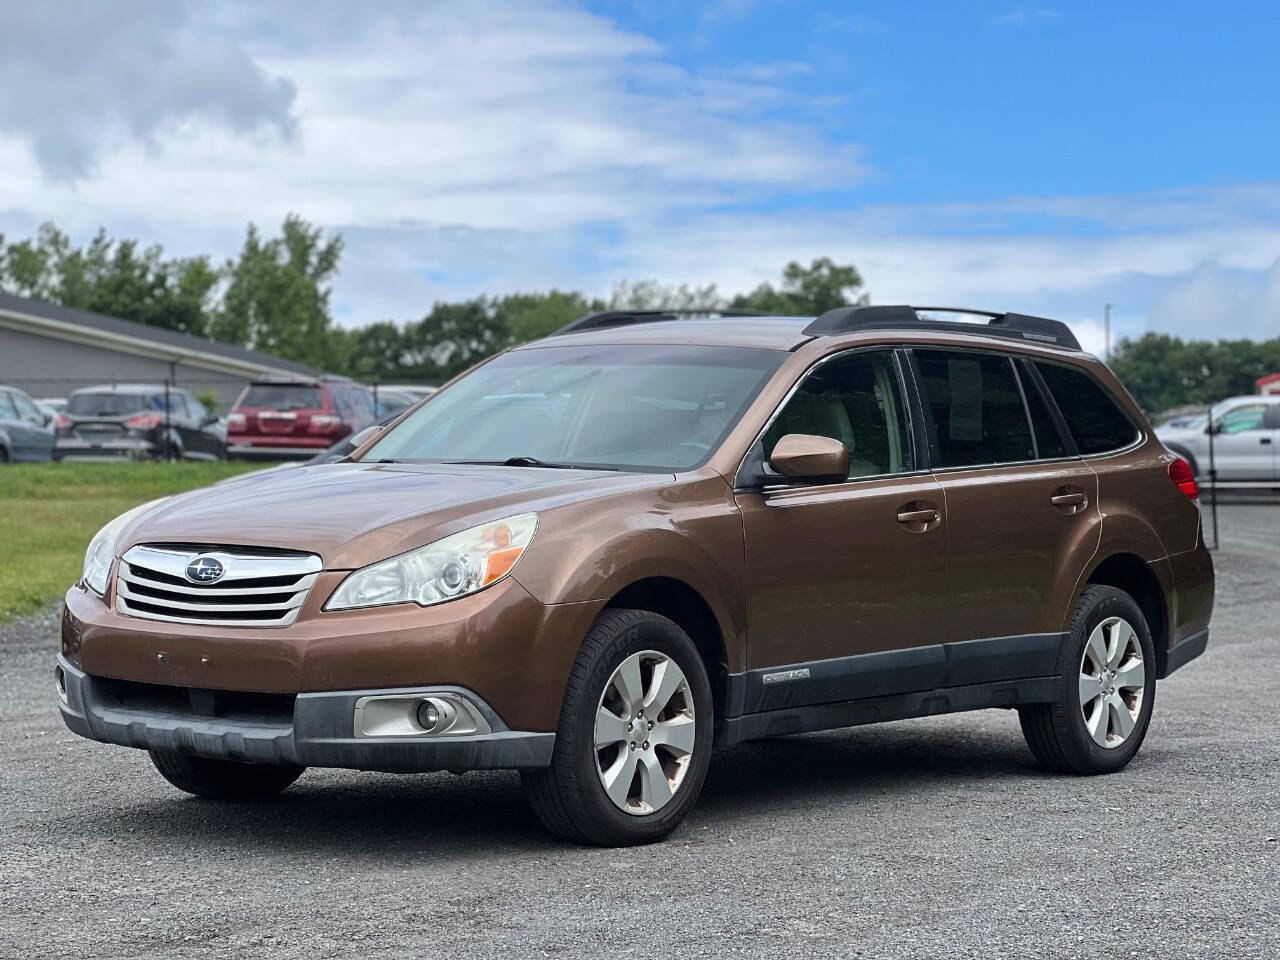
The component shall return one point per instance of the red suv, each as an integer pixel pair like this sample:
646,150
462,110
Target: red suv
296,419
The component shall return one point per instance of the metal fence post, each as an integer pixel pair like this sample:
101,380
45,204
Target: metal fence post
168,444
1213,482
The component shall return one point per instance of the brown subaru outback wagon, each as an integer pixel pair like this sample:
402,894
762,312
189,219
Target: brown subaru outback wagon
597,557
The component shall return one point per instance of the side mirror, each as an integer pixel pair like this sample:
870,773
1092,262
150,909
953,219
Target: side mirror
364,436
47,419
803,456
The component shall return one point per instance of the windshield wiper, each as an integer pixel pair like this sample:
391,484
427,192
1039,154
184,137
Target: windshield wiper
531,462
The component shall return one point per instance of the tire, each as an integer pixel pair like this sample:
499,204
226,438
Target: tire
224,779
4,455
569,797
1067,736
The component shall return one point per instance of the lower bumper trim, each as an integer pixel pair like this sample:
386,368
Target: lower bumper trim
321,734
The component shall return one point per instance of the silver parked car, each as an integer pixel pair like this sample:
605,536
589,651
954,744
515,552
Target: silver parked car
26,431
1246,439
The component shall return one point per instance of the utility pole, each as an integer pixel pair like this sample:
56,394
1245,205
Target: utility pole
1107,325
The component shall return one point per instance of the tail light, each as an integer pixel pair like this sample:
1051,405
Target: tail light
324,423
1184,478
235,422
62,421
144,421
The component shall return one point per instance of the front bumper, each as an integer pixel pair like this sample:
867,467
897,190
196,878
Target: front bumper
319,731
114,448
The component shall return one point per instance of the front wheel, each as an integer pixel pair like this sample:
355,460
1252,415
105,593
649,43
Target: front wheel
634,739
224,779
1105,690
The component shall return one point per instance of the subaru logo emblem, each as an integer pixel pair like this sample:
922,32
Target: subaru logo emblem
205,570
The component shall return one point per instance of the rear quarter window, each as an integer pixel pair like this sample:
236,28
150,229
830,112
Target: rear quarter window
1095,420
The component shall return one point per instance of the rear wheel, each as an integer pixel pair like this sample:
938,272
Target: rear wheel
1105,689
224,779
634,739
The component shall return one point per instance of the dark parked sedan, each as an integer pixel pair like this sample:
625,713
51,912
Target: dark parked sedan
131,422
26,432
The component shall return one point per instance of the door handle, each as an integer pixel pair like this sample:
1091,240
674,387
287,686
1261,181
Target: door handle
1264,440
1069,500
919,516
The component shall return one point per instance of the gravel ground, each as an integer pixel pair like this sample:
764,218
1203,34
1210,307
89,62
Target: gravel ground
925,838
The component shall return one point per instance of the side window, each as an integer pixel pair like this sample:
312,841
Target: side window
854,399
1238,420
977,408
197,411
1096,422
7,412
26,409
1049,444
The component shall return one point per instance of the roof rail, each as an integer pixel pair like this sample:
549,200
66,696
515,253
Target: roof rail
618,318
1017,326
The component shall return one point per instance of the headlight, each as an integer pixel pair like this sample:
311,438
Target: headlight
102,548
440,571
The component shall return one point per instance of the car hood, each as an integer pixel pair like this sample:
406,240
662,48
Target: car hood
353,514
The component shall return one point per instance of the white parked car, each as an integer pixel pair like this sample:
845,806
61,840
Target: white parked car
1246,439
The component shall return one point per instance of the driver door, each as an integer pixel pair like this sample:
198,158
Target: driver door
835,570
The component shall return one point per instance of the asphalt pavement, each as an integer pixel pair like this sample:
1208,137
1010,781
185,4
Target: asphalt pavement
925,838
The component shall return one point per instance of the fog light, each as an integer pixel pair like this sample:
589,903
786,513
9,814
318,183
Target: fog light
60,680
428,716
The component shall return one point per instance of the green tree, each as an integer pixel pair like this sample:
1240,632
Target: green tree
111,277
1163,371
528,316
277,296
806,291
652,295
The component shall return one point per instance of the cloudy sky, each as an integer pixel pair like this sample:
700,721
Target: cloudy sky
1037,158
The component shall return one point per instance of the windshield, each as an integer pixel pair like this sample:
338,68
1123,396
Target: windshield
282,396
112,404
626,407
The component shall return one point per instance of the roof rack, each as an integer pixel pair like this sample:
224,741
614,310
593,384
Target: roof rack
618,318
1017,326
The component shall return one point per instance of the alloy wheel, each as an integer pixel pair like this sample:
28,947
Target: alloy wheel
1113,676
644,732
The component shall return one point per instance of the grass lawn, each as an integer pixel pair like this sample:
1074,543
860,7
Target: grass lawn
50,511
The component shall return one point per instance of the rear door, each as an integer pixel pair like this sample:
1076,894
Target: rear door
1244,443
840,569
1018,499
37,434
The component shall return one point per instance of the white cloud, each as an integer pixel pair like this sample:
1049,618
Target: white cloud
77,75
488,147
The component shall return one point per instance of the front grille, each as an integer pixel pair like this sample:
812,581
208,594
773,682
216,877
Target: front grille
257,588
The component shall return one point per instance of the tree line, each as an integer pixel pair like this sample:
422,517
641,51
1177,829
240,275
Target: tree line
274,295
1163,372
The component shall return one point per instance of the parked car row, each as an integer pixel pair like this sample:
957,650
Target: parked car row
270,420
1246,439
